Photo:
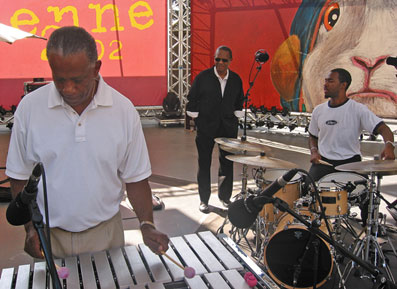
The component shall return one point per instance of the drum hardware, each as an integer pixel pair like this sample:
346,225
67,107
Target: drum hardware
339,248
356,186
372,269
376,169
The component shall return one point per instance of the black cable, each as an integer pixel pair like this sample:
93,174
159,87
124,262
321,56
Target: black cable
46,211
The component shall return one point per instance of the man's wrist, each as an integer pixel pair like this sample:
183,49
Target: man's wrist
313,149
147,223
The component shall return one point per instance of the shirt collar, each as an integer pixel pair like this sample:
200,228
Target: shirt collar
102,96
220,78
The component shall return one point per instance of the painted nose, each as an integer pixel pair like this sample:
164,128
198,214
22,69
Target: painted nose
368,64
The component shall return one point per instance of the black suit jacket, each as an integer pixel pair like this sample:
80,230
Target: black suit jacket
216,112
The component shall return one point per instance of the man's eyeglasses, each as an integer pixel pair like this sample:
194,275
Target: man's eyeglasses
224,60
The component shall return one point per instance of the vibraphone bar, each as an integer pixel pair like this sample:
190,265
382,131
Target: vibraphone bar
218,262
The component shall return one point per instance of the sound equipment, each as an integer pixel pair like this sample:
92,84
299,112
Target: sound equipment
30,86
218,263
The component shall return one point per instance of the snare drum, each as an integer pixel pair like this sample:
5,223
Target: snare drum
355,194
285,248
289,193
334,201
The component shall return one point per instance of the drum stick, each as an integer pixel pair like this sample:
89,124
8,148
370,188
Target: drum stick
172,260
324,163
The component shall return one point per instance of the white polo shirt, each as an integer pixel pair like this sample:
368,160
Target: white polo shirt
87,158
338,128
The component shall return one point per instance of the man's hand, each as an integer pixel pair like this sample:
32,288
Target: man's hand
388,152
314,156
32,242
155,240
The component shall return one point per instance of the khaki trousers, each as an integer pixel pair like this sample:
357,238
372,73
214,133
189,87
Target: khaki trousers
104,236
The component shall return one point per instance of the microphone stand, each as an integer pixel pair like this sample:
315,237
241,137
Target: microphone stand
258,68
284,207
37,220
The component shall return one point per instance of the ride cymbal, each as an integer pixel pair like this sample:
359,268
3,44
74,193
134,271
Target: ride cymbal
384,167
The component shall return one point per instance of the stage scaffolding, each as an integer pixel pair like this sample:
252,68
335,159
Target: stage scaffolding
178,54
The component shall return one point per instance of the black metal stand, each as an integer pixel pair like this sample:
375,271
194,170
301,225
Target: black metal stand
244,136
37,220
298,268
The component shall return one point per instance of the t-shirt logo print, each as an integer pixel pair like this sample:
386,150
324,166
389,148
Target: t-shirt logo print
331,122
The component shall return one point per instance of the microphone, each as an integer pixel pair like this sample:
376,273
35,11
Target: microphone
243,212
18,212
261,56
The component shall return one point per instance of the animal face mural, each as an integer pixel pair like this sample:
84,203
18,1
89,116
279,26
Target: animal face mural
357,35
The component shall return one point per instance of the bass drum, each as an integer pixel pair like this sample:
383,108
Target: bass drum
287,246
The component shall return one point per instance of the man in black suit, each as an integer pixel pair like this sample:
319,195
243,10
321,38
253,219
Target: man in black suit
215,101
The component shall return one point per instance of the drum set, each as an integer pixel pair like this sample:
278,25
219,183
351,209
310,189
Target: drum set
306,231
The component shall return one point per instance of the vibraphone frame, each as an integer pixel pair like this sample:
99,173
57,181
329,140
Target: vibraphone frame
217,260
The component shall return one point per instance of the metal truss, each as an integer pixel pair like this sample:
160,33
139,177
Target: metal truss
179,48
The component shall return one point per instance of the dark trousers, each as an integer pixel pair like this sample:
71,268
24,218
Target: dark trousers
205,146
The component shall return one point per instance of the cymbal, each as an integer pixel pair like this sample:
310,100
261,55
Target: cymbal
261,161
240,145
384,167
237,151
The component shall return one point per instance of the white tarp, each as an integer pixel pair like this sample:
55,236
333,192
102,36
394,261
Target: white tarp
9,34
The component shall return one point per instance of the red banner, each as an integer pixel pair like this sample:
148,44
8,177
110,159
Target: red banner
131,38
245,28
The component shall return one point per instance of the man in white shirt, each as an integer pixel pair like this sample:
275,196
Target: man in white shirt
336,125
90,141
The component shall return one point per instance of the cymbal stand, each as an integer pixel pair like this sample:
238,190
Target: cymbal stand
369,241
235,233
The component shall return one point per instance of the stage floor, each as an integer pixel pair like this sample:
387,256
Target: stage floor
174,165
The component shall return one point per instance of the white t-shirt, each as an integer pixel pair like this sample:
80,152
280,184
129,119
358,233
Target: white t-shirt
338,128
87,158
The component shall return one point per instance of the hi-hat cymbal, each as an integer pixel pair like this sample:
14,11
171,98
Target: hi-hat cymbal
242,145
262,161
383,167
237,151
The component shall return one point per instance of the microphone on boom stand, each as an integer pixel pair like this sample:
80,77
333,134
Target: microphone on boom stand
261,56
243,212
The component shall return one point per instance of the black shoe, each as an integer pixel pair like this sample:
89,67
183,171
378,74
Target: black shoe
204,208
157,203
225,203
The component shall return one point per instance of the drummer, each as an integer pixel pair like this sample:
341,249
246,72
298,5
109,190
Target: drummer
215,101
336,125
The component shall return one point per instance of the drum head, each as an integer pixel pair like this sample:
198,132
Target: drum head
285,249
340,180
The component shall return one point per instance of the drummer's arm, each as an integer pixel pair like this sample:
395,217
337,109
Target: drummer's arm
313,145
388,138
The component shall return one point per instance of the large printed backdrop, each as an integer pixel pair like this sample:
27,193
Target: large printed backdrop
131,38
305,39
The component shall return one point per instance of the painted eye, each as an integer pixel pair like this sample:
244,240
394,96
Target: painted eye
331,16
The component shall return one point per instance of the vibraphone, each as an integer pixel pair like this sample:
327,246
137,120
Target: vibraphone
218,262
